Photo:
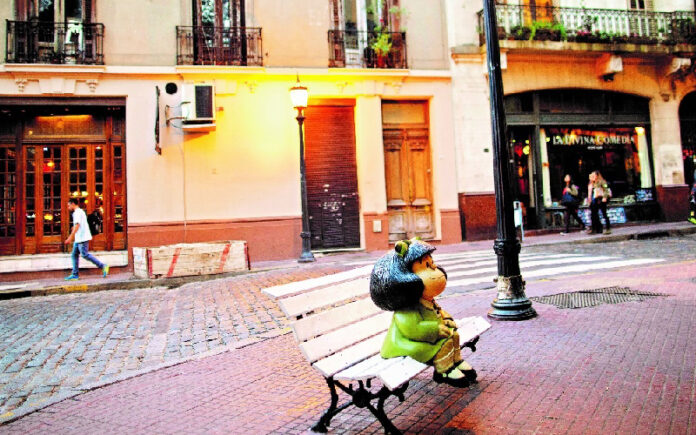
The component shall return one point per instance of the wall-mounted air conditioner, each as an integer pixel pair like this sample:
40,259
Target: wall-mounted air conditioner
198,106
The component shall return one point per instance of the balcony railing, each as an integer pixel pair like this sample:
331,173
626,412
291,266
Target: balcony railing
48,42
208,45
360,49
524,22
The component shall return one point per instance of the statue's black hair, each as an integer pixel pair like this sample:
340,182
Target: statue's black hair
392,284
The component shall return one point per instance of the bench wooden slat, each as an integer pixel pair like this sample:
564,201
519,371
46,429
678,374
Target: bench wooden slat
349,356
367,369
294,288
320,323
317,299
471,327
332,342
394,372
401,372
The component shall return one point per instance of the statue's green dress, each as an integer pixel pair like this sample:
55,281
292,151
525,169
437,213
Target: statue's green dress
414,332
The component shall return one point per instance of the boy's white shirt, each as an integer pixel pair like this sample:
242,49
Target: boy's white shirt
82,234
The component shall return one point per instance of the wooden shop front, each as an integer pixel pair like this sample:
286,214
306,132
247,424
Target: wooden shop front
52,150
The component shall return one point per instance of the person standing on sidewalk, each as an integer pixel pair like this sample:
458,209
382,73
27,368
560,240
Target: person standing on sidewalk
80,237
570,200
692,204
598,194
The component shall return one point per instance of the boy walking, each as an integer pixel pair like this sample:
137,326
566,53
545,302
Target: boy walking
81,236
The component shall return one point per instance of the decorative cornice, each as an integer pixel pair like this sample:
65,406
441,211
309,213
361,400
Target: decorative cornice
21,84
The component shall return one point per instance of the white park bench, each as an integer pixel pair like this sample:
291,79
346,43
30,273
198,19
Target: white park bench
340,331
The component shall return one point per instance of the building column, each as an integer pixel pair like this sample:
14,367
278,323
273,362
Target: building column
672,193
369,152
473,148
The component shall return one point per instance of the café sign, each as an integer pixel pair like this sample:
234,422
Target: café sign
592,139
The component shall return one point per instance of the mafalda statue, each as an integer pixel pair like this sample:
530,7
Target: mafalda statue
406,282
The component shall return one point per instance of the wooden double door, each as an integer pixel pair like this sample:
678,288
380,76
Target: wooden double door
408,178
45,176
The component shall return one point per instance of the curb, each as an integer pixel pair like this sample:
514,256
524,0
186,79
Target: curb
640,235
171,283
129,284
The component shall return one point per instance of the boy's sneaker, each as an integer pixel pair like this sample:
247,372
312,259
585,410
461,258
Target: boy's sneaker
105,270
72,277
692,220
606,232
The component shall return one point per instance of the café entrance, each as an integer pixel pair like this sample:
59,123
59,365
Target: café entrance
568,131
49,154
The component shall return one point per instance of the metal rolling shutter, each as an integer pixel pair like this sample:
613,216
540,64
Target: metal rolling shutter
332,183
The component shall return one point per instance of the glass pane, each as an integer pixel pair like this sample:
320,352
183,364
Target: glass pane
8,195
73,9
118,189
46,10
208,12
30,181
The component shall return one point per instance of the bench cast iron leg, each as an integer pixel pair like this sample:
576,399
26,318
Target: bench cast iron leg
325,419
379,413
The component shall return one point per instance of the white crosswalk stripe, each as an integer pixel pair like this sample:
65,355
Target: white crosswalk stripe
526,264
477,269
551,271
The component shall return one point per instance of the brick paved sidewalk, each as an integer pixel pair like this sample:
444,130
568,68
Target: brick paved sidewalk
625,368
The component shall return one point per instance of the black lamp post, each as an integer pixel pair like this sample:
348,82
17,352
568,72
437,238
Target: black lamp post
511,302
299,95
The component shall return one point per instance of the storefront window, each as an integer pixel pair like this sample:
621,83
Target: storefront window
620,154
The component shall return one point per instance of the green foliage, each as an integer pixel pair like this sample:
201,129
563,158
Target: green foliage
521,33
550,31
382,45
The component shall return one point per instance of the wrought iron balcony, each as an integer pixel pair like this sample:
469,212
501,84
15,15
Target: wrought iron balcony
208,45
359,49
525,22
48,42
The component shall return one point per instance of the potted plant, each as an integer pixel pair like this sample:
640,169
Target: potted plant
521,33
583,36
619,39
545,31
634,38
381,46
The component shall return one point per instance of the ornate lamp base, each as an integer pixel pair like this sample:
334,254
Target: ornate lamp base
511,303
306,256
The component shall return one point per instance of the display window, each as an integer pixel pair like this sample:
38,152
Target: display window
620,154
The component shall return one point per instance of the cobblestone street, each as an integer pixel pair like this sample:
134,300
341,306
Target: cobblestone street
57,345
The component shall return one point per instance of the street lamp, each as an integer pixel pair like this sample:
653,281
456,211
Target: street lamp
298,96
511,302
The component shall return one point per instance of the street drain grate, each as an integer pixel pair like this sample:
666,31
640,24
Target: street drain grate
594,297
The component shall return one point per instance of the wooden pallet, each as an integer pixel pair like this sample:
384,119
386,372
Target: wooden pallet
186,259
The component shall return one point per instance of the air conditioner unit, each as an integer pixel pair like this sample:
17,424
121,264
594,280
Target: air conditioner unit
198,104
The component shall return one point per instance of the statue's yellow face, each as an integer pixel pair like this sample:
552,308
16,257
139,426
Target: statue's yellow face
433,278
